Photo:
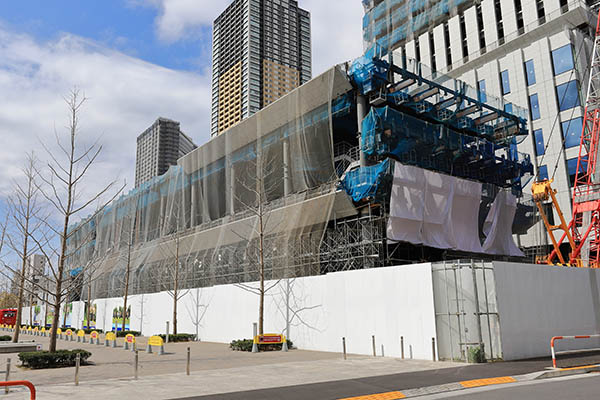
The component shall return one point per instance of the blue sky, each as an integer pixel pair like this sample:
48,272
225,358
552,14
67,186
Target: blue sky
118,24
136,60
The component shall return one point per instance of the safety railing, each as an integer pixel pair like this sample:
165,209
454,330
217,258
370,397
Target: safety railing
555,338
27,384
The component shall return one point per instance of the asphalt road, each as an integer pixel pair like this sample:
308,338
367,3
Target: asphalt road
398,382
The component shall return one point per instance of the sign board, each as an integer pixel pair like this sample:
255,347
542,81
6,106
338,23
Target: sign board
81,333
94,335
130,338
155,341
110,336
269,338
69,332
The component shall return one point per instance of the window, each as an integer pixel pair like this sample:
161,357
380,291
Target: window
543,173
562,59
534,107
505,81
529,72
508,107
481,91
568,95
572,168
539,142
572,132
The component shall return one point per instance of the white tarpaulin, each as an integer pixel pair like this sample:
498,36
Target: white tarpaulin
498,226
434,209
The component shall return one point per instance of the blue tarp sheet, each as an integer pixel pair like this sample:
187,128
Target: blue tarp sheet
362,183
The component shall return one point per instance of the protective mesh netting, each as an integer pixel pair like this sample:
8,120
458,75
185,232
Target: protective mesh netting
200,223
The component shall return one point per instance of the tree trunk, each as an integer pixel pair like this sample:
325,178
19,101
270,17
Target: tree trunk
261,308
176,289
89,305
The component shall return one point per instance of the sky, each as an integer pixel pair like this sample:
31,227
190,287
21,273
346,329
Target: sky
134,60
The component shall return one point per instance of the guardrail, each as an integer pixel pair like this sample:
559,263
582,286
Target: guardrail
555,338
28,384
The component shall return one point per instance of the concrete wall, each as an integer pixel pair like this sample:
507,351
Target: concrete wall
385,302
537,302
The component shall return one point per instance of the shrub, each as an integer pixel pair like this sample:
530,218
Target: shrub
125,333
88,331
5,338
477,355
180,337
246,345
58,359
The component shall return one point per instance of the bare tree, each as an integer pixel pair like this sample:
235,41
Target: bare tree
174,270
292,305
25,209
261,184
62,189
130,242
198,310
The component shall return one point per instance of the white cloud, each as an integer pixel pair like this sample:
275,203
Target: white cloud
336,25
125,96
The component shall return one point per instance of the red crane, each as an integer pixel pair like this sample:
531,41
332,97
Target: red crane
583,232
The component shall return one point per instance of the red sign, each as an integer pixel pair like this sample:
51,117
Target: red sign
270,339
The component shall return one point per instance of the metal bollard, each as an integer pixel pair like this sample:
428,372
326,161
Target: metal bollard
255,333
7,374
135,365
433,348
382,352
374,351
410,350
167,335
344,347
77,362
402,346
187,368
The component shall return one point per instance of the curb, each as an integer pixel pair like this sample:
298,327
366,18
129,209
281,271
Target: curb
456,386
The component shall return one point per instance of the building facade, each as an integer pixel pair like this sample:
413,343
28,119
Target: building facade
534,54
261,51
158,148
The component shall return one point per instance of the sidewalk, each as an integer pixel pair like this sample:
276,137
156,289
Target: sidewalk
215,369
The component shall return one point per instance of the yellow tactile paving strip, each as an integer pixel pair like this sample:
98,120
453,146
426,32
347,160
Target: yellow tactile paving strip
575,368
380,396
486,382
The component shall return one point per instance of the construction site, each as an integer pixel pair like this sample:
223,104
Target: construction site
379,162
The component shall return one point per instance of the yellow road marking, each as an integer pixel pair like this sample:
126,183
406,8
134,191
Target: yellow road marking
574,368
380,396
486,382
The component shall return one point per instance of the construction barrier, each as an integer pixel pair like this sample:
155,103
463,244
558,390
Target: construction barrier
110,337
156,341
94,338
69,335
129,343
59,333
27,384
555,338
81,336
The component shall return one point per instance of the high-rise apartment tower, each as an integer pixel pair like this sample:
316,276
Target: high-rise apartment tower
261,51
532,53
159,147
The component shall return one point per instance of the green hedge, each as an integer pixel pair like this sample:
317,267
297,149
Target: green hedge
88,331
58,359
180,337
5,338
246,345
125,333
